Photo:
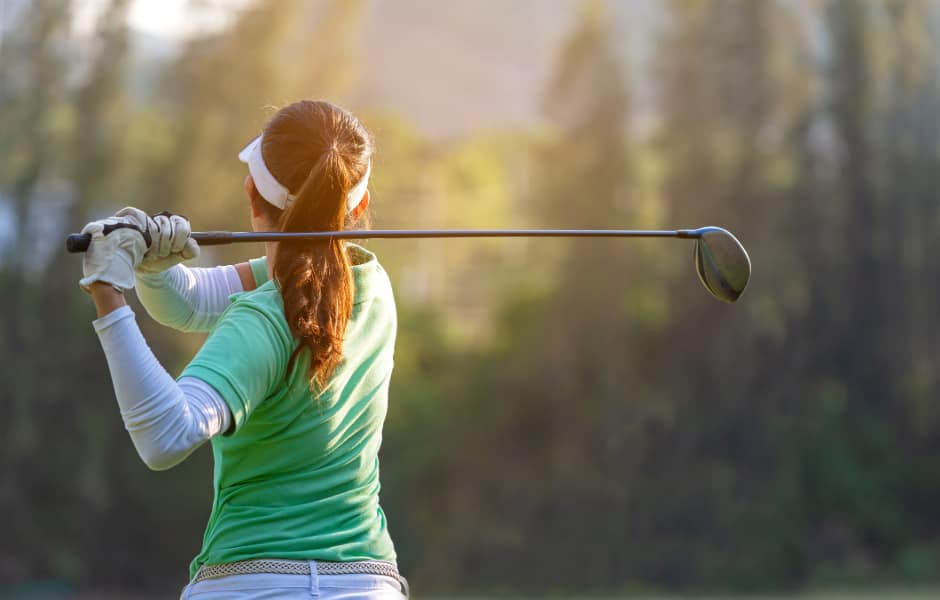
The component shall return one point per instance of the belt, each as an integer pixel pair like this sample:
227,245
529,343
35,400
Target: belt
279,566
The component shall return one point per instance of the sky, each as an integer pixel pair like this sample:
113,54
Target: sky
173,19
452,44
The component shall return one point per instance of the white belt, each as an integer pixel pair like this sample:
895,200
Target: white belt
279,566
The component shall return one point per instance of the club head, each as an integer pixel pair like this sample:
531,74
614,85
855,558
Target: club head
722,263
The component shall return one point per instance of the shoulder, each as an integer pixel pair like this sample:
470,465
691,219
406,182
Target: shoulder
265,296
262,303
246,354
371,280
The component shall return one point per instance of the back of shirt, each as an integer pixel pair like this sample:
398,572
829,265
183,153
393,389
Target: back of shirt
299,476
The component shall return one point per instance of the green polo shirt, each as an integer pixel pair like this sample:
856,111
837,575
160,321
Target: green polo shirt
298,477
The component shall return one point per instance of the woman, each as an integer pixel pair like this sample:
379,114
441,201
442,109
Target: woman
290,386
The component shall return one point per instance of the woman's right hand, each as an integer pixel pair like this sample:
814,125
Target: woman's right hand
171,242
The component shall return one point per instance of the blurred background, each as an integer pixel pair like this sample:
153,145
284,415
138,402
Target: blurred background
565,417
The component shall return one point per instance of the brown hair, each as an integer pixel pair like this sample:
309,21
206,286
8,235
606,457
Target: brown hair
318,151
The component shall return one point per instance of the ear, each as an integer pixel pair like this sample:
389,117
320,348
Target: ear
361,207
253,196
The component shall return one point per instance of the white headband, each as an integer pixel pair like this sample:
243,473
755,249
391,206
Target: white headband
278,195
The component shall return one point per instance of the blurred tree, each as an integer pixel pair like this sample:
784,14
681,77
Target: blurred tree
100,110
613,413
585,355
100,160
32,84
74,145
911,131
858,474
540,471
716,87
32,74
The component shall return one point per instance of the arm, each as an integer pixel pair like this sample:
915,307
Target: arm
175,295
188,299
192,299
166,420
247,276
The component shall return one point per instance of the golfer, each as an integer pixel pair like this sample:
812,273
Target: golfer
291,385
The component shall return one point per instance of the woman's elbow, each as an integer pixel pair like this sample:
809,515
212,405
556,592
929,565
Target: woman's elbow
160,460
184,323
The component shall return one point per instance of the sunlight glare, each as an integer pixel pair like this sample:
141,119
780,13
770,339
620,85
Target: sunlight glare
173,19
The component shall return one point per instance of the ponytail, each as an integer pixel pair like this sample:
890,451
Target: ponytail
315,277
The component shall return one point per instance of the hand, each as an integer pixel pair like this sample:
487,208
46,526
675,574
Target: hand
171,242
112,258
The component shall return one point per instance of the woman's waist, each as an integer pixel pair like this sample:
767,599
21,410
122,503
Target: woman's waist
289,532
361,576
287,566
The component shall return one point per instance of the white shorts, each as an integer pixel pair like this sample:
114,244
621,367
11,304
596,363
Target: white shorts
265,586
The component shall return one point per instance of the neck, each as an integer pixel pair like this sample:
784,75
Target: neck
270,250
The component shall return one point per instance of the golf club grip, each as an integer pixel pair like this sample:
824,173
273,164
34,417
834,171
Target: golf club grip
77,243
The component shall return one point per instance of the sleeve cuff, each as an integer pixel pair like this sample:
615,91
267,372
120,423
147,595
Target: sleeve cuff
233,280
224,387
259,269
112,317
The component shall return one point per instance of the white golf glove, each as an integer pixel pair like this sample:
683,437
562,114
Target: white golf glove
171,243
112,258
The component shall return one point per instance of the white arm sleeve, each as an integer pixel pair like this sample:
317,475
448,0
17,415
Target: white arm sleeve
165,419
188,299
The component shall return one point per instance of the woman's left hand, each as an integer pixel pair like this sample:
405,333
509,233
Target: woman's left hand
112,258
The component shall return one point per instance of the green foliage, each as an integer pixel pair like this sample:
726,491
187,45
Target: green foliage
553,404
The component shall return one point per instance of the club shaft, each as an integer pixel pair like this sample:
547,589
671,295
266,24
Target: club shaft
79,243
222,237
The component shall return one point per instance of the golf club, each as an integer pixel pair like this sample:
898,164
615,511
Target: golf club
721,262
